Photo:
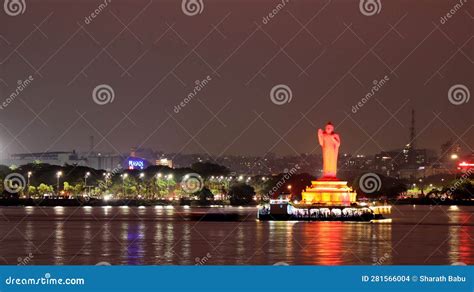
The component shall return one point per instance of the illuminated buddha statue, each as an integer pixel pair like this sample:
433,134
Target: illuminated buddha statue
330,143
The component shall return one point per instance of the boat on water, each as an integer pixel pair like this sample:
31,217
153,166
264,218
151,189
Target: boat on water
282,209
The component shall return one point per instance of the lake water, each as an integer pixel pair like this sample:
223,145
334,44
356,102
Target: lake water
432,235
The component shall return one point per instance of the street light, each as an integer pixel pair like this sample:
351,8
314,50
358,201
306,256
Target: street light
28,184
58,175
142,176
85,178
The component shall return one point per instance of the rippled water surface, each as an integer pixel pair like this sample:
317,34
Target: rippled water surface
157,236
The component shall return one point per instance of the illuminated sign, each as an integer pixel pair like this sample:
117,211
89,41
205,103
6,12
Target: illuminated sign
135,163
465,164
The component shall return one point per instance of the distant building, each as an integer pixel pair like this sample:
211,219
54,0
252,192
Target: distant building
54,158
105,161
164,162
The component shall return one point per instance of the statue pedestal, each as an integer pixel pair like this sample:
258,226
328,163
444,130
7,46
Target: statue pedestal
329,192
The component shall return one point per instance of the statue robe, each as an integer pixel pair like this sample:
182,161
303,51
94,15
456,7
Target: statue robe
330,147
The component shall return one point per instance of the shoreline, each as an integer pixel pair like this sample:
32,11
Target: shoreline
189,203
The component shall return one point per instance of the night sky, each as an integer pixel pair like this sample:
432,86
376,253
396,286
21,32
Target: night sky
151,53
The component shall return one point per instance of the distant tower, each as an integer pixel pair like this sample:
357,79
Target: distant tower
412,130
411,144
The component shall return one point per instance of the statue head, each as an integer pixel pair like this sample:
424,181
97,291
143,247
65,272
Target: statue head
329,128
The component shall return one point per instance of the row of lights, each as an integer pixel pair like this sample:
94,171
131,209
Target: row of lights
158,175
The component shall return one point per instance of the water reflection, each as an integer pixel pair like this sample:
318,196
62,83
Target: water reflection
135,236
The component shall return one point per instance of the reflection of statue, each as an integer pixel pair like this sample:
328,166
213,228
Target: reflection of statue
330,143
